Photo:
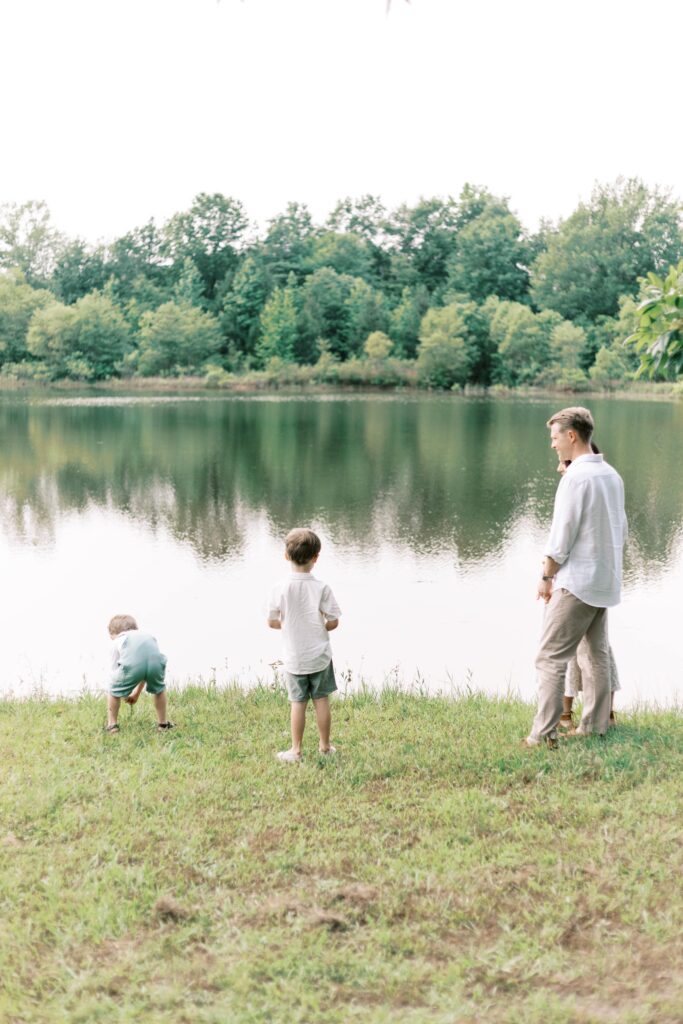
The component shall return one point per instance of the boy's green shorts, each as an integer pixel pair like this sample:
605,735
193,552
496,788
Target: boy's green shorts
311,687
125,681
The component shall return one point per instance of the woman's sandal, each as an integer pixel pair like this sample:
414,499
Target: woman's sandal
163,726
113,728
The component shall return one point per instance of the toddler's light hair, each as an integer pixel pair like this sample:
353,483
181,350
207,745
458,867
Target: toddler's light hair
121,623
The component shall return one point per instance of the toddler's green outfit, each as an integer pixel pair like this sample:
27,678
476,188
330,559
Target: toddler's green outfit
136,656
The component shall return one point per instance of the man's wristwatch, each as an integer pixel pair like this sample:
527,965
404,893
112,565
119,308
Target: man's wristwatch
547,579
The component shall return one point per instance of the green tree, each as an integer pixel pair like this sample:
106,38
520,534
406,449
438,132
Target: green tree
422,240
28,241
346,253
522,339
189,288
608,332
367,312
609,368
567,345
278,324
242,305
377,345
405,320
489,255
88,339
137,265
366,218
78,270
209,234
176,337
658,337
325,313
288,245
475,331
599,253
18,302
443,360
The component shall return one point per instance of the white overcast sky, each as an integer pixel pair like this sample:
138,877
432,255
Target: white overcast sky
115,111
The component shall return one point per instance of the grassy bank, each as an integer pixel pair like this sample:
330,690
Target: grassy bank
303,380
432,871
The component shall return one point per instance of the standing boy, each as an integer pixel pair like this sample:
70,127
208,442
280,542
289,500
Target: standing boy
305,610
136,662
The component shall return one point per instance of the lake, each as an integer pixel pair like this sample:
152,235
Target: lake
432,511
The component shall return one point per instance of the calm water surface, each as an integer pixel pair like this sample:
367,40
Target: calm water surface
432,512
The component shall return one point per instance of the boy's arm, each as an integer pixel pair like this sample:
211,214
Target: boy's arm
329,609
274,609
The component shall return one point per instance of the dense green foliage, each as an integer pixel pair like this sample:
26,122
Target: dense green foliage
458,286
431,872
659,334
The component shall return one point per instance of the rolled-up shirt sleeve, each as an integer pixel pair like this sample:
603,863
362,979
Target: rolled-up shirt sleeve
328,604
274,605
566,520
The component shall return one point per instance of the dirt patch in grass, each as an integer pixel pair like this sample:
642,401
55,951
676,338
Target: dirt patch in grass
336,907
168,910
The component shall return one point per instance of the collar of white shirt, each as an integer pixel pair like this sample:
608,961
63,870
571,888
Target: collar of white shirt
584,458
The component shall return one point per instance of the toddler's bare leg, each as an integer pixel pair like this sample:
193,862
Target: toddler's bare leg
134,697
113,705
160,707
323,717
297,719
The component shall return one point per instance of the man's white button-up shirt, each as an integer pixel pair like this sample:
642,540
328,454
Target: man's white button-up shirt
589,531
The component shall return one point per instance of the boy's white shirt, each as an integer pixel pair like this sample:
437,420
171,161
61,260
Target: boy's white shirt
303,604
117,647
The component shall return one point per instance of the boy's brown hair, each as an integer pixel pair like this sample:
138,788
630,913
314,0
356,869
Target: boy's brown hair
121,623
575,418
302,545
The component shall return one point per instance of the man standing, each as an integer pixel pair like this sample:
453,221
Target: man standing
581,577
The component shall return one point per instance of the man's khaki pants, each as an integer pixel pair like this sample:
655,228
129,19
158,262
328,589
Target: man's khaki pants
567,622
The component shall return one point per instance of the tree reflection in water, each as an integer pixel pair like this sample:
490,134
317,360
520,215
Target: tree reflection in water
426,474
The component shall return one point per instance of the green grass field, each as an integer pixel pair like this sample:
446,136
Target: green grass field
432,871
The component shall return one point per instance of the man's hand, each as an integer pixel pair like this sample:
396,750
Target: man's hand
545,586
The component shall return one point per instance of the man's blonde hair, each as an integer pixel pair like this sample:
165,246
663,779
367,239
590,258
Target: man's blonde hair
302,545
121,623
574,418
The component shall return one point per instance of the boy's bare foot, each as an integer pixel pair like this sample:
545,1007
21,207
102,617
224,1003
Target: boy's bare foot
289,756
565,723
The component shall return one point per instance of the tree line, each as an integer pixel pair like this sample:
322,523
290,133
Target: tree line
447,292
